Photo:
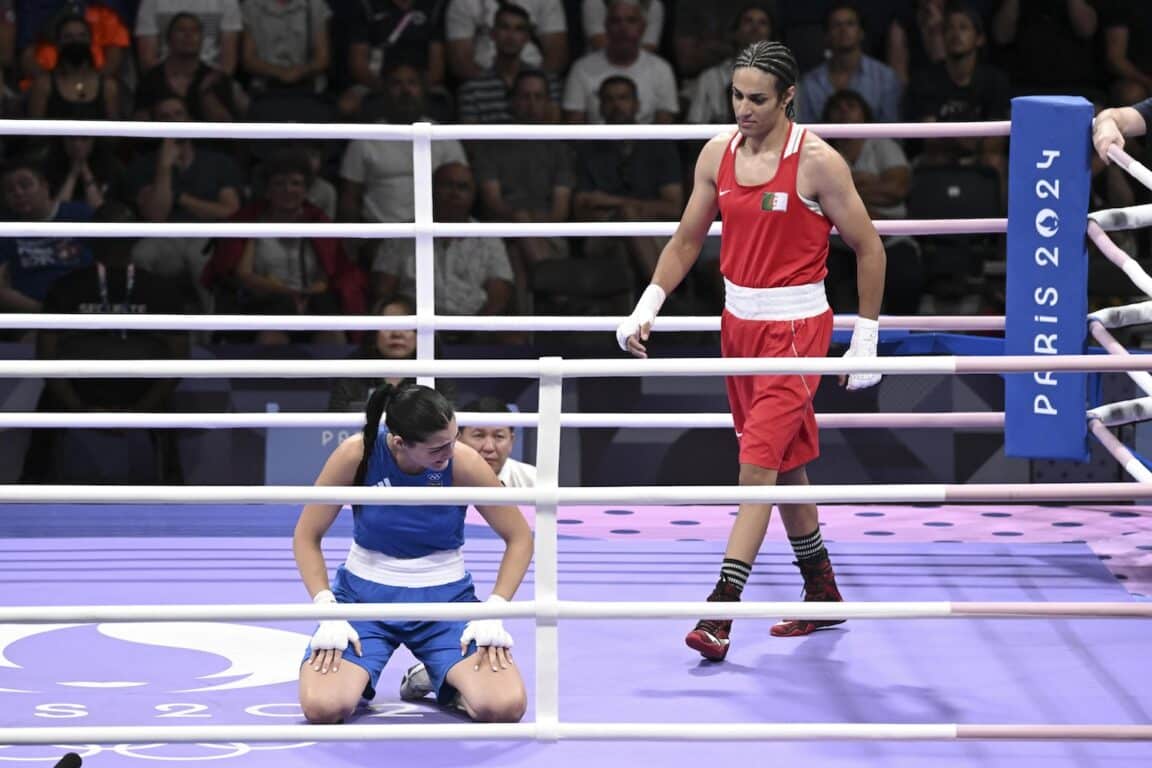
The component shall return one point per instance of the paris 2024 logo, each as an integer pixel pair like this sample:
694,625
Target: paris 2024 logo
154,674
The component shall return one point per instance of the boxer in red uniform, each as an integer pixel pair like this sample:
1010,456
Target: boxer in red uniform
779,189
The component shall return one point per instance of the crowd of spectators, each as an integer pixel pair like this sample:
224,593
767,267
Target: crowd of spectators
504,61
497,61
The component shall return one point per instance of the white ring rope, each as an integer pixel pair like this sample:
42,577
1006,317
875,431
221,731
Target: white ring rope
336,420
1132,217
1132,465
1136,169
606,324
570,610
440,229
1123,412
1120,258
546,609
1115,317
914,493
527,369
1099,419
1142,378
511,132
151,734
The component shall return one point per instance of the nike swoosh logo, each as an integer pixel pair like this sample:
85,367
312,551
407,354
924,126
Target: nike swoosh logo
724,192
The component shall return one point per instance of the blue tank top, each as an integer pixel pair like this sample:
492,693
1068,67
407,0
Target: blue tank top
403,530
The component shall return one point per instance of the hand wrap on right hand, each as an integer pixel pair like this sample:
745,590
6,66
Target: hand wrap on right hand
644,314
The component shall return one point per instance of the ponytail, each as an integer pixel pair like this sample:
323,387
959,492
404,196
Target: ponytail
410,411
373,413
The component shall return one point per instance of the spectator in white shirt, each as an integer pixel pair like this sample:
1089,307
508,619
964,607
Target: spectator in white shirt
622,55
468,31
594,11
376,176
495,444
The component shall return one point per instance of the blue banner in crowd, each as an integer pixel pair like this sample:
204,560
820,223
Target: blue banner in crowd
1048,185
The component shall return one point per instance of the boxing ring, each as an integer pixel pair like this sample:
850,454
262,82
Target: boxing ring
111,625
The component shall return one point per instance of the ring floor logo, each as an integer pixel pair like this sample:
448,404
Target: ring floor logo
153,674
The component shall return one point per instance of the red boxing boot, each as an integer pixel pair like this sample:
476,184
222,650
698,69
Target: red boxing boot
819,587
710,637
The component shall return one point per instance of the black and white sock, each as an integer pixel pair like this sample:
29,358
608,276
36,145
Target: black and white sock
810,547
735,572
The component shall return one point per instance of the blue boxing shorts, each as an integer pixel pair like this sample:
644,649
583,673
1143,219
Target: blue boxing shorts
436,643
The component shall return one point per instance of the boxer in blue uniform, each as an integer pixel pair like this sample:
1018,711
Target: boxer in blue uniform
409,554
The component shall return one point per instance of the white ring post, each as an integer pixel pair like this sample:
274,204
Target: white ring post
547,549
425,247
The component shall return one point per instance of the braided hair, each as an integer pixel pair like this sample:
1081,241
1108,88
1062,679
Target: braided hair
775,59
412,412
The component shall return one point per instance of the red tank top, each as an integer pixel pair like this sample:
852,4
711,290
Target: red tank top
771,237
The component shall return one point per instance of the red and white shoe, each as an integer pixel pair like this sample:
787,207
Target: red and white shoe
819,587
710,636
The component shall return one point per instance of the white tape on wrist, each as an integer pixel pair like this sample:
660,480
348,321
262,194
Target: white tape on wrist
865,337
488,633
865,331
644,314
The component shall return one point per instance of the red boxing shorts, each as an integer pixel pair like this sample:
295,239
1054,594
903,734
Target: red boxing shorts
774,418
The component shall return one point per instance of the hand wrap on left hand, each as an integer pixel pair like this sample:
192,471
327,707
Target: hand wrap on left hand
865,335
486,633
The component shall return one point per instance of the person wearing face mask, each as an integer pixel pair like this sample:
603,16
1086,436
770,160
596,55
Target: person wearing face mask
42,27
74,89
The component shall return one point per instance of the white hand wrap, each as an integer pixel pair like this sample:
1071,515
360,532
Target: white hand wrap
865,335
644,314
487,632
335,634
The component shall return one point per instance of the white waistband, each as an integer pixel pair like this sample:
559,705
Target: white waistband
431,570
791,302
